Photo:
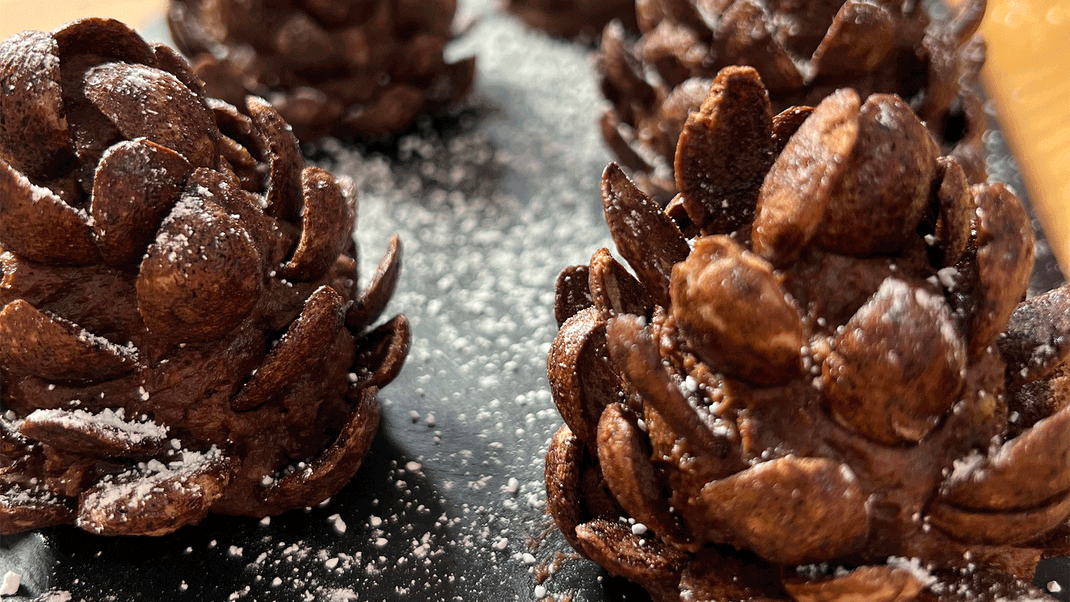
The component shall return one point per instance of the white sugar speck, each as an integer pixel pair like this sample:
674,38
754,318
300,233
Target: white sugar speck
11,583
337,523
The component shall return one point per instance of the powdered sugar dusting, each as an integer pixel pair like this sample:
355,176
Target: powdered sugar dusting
914,567
146,485
966,467
108,422
489,216
450,503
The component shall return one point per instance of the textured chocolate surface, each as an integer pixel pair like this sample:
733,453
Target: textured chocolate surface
573,18
182,329
803,52
349,68
829,422
528,182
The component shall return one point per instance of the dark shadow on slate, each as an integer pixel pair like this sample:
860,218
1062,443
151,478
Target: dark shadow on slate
219,556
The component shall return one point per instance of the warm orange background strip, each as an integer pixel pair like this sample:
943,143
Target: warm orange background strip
46,15
1027,76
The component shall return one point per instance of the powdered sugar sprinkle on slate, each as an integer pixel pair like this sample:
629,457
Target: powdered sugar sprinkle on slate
450,503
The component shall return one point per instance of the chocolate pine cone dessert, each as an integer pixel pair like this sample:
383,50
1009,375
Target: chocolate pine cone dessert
180,326
574,18
822,382
349,68
803,52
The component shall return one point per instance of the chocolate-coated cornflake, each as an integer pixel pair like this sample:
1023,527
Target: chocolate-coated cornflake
803,52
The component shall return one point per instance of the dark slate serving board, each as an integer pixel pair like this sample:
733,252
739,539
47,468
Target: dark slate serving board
450,504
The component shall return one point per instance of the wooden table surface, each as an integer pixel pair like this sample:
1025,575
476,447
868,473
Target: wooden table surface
1027,76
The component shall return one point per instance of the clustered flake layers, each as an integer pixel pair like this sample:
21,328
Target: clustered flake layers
349,68
180,322
574,18
803,52
822,382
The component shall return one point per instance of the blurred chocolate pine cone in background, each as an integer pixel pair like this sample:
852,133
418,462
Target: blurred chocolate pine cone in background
349,68
180,326
574,18
822,382
803,52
